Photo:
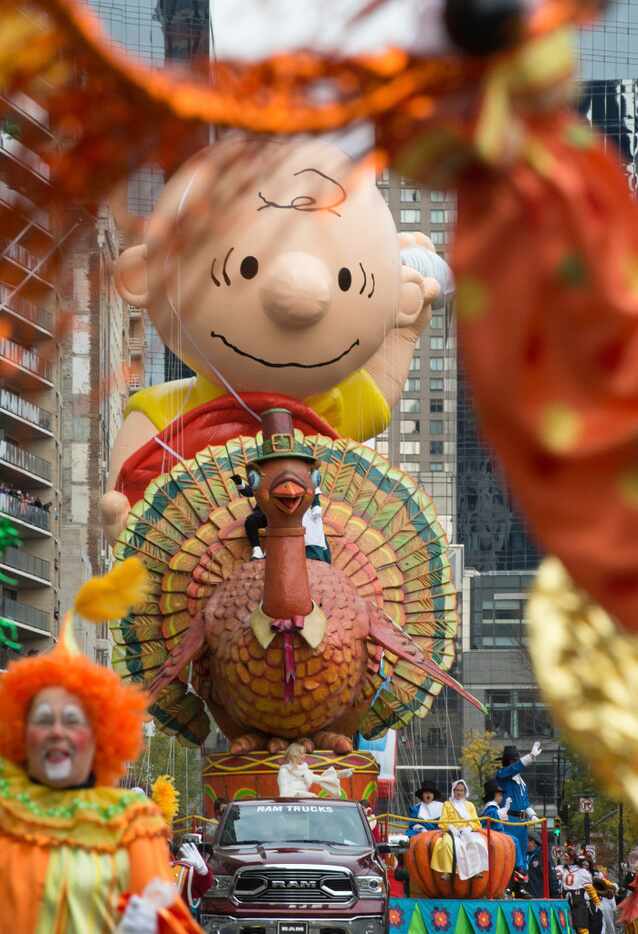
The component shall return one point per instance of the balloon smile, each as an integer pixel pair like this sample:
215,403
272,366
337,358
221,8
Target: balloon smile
302,366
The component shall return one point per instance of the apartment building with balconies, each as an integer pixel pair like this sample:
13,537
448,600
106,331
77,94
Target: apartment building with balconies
29,369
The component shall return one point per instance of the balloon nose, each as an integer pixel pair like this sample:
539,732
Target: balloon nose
297,291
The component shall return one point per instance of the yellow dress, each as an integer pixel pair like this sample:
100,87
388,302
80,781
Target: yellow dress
443,850
356,408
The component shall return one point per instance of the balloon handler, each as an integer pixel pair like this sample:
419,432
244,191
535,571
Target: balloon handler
514,787
255,521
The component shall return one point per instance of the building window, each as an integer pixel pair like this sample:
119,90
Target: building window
517,714
383,176
381,447
437,363
436,405
415,363
437,217
410,467
410,405
412,385
411,216
436,467
436,426
410,447
410,194
436,384
436,322
410,426
439,196
436,448
437,343
438,237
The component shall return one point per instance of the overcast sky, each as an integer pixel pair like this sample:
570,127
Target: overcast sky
252,28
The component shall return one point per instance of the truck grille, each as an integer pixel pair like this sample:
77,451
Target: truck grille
294,886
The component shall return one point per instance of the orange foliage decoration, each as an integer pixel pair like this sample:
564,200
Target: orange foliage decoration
546,251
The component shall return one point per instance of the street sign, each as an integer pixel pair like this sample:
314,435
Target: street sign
586,805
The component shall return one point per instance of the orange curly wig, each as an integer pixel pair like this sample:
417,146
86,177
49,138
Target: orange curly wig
116,710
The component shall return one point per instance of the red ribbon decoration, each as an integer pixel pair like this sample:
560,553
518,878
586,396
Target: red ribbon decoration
288,627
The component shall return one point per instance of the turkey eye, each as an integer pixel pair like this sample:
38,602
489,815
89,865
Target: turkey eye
249,267
344,278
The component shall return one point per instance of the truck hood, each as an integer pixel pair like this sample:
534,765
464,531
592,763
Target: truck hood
227,859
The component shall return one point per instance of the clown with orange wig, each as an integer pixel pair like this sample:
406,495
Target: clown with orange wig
77,853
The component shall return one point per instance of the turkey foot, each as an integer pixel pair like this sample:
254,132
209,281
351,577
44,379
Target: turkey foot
248,742
276,744
334,741
185,652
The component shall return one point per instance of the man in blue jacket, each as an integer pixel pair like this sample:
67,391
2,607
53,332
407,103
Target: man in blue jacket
514,787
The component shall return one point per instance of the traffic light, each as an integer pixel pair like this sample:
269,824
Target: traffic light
556,828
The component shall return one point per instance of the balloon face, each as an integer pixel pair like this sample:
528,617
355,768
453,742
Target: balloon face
280,271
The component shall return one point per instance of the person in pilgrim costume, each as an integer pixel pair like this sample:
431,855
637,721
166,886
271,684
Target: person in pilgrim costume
317,548
295,776
428,808
510,779
463,840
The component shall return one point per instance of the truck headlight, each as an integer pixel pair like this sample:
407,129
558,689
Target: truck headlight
221,887
371,886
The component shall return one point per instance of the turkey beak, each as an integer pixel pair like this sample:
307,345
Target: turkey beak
288,495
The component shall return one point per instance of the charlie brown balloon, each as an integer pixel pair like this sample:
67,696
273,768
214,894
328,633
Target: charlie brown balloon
275,271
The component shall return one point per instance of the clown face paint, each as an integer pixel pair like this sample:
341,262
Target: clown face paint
60,740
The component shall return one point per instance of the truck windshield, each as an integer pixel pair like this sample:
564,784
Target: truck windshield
294,823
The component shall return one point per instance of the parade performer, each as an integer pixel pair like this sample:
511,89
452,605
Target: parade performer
317,548
429,807
463,839
72,844
194,876
498,811
255,521
295,777
514,787
576,883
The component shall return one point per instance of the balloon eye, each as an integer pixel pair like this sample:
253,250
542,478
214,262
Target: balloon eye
315,478
344,278
254,479
249,267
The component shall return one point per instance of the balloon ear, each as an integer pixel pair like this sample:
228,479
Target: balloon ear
417,293
130,274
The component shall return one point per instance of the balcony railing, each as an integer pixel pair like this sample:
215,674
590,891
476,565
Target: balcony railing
28,411
27,563
28,208
24,156
24,460
22,613
136,345
34,515
21,255
27,359
26,309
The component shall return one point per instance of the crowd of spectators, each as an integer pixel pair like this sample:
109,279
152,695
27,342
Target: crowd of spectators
23,497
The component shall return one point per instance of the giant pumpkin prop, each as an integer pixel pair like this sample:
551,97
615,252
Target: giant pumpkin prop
426,883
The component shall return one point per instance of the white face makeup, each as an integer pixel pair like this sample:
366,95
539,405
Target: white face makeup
60,741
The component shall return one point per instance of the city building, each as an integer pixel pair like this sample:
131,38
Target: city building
608,63
421,438
30,400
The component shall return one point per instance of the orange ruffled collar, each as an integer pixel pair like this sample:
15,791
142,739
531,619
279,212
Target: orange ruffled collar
100,818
